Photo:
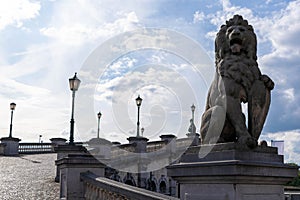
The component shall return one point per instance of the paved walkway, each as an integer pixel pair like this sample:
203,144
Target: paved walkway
28,177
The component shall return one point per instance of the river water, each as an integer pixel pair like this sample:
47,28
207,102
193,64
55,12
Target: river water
28,177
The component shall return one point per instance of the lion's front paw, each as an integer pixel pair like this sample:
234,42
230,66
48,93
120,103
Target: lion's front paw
268,82
248,141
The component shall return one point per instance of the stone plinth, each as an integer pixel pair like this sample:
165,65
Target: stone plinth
71,186
57,141
100,147
140,143
11,146
63,151
168,137
230,172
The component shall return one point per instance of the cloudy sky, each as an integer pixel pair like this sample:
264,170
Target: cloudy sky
44,42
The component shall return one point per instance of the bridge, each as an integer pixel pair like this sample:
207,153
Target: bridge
31,174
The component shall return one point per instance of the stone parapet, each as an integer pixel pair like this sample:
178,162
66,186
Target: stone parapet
71,186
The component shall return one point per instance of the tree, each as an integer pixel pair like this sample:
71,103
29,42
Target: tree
296,180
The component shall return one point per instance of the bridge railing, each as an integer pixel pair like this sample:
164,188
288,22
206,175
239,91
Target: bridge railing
103,188
29,147
33,147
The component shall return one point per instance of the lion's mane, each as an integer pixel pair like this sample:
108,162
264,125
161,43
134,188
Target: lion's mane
222,47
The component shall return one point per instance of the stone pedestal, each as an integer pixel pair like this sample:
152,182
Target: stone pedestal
63,151
11,146
71,187
57,141
100,147
140,146
230,172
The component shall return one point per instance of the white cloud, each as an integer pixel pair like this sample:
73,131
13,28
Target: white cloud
165,91
80,32
285,31
262,25
268,1
14,12
291,144
36,112
228,11
283,61
10,86
198,16
36,78
289,94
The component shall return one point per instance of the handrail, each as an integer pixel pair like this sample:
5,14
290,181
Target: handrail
103,188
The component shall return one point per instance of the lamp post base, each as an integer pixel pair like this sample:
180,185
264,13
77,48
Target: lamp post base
63,151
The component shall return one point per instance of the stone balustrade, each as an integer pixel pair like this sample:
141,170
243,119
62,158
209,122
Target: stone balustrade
93,192
101,188
29,148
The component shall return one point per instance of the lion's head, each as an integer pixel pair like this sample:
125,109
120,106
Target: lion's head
237,37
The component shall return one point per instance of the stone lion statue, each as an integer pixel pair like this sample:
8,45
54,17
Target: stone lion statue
237,80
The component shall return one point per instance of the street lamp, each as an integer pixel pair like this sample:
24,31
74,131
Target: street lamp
142,130
74,85
99,116
138,101
193,107
12,108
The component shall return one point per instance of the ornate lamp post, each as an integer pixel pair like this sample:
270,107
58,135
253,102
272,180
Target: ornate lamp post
193,112
12,108
74,85
193,107
99,116
138,101
142,130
